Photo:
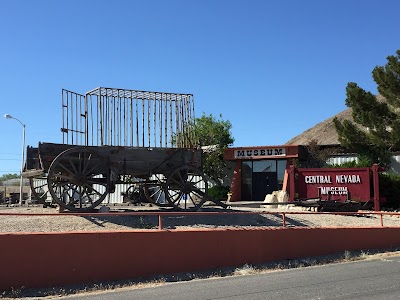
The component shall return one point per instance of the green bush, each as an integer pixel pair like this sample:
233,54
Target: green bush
219,192
389,187
389,184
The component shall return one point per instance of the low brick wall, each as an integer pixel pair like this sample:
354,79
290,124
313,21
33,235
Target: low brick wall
57,259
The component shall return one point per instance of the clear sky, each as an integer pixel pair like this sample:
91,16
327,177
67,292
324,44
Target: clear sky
272,68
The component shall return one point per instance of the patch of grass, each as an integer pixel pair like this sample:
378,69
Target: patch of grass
78,289
244,270
355,255
13,293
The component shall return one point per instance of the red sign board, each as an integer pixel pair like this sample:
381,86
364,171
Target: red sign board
341,184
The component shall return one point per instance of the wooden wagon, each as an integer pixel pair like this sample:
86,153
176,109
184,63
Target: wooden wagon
117,136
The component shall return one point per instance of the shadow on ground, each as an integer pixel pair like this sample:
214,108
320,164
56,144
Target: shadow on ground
222,218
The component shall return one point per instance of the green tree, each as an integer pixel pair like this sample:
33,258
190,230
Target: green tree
316,155
213,136
8,176
375,131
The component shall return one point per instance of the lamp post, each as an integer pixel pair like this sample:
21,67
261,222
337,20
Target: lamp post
21,191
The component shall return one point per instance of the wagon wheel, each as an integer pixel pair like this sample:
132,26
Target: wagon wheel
155,193
186,187
133,193
39,189
76,179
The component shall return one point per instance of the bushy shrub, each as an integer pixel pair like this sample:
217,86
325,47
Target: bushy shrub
389,187
219,192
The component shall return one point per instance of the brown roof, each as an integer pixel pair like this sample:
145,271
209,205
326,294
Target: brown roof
324,132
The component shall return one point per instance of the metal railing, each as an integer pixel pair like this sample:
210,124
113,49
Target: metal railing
160,214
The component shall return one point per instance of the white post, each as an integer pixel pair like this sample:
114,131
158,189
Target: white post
21,184
21,189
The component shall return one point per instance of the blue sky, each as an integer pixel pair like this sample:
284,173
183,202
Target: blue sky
272,68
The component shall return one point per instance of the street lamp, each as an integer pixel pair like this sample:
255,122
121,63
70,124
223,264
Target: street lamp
7,116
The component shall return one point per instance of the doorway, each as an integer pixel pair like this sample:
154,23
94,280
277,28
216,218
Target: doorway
261,177
264,183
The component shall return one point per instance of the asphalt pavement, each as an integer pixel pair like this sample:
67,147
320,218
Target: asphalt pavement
376,278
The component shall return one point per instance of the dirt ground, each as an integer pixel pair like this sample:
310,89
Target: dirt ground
31,219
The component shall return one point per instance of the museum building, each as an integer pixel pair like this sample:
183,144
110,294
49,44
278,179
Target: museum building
260,170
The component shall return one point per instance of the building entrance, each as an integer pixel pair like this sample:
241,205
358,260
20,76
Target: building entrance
264,183
261,177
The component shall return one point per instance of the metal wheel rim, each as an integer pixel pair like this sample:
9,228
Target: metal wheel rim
72,179
41,197
184,189
135,190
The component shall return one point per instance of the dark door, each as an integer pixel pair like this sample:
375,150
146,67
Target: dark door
264,183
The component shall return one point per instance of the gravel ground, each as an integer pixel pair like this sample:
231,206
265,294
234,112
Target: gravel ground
61,222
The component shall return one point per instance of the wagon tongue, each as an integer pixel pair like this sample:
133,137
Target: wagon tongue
209,198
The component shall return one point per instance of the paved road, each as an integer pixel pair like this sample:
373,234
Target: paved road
378,278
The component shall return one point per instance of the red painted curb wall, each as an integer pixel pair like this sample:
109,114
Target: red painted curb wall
59,259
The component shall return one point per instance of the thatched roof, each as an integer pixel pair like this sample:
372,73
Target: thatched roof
324,132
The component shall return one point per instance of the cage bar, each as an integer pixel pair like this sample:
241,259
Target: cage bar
74,118
131,118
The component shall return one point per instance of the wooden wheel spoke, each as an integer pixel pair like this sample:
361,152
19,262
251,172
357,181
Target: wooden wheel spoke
173,191
82,161
66,177
158,177
64,190
173,197
180,176
78,190
74,190
58,184
198,181
72,165
178,201
190,178
180,183
88,172
64,167
198,192
191,199
155,192
40,186
93,189
39,192
88,195
183,185
159,196
70,179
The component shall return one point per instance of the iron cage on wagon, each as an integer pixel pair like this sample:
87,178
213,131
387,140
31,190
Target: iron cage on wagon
117,136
